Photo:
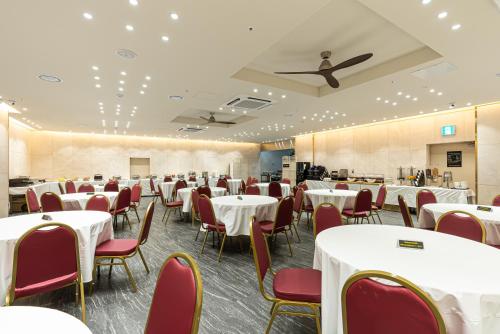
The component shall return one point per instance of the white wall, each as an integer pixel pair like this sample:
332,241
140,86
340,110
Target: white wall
19,150
438,159
4,163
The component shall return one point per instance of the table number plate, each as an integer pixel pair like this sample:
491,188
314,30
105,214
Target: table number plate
484,208
412,244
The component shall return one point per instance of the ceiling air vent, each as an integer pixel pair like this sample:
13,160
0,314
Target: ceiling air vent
248,103
190,129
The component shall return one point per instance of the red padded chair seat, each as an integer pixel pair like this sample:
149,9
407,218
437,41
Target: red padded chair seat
350,213
375,208
298,284
116,247
174,204
122,210
266,227
46,286
212,228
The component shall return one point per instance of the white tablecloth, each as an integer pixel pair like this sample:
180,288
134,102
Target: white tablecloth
78,201
460,275
264,189
234,186
312,184
99,188
184,195
38,188
40,320
236,214
92,228
146,187
431,212
168,187
443,195
342,199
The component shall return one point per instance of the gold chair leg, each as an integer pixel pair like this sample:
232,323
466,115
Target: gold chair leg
296,232
204,242
143,260
91,287
130,277
137,214
128,221
168,216
273,315
163,218
82,299
317,318
289,245
221,246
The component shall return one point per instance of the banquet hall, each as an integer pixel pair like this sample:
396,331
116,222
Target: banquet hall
320,166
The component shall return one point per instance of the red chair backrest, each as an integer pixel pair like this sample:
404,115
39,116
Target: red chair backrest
260,250
86,188
363,201
195,196
177,299
303,185
370,306
135,196
70,187
382,193
284,214
146,225
252,190
167,178
298,203
207,215
192,178
275,189
98,203
249,180
221,183
111,186
180,184
152,185
496,201
462,224
342,186
286,181
243,186
227,177
160,192
254,180
205,190
405,212
123,199
32,201
43,255
326,215
424,196
51,202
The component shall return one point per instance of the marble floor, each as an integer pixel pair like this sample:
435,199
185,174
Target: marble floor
232,302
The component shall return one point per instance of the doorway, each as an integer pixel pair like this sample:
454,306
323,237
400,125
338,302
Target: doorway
140,167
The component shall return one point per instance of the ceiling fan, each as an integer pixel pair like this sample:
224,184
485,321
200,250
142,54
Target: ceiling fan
212,119
326,69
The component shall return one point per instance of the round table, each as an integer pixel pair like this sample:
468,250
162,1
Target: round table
236,213
168,187
99,188
460,275
234,186
184,195
430,214
264,189
30,319
92,228
343,199
78,201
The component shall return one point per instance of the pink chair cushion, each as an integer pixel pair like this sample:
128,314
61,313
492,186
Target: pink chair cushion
342,186
460,226
212,228
116,247
327,217
45,286
174,204
266,226
350,213
298,284
252,190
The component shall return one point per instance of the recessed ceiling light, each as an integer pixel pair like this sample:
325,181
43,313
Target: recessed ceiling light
335,113
304,117
420,112
283,96
148,77
120,89
165,38
469,104
102,111
269,93
408,96
117,113
440,93
97,78
95,68
255,90
100,103
49,78
244,111
436,109
87,16
174,16
122,82
141,92
25,109
395,116
133,2
129,27
131,115
315,115
415,99
432,90
456,26
400,93
144,86
386,101
97,86
394,103
123,73
442,15
378,99
426,2
344,115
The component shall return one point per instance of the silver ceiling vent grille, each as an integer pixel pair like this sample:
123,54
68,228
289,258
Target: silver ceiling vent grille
248,103
190,129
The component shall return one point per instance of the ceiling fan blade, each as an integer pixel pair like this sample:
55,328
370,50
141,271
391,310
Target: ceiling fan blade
224,122
304,72
206,119
330,79
351,62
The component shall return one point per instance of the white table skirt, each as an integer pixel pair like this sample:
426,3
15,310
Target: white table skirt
146,187
40,320
431,213
443,195
264,189
184,195
374,188
342,199
39,189
99,188
92,228
236,214
234,186
168,187
460,275
78,201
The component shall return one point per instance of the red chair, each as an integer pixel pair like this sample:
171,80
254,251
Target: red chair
254,180
154,192
282,222
370,306
46,260
111,186
249,180
496,201
342,186
222,183
462,224
205,190
122,249
379,203
121,207
228,177
170,206
405,212
292,287
61,189
326,215
192,178
32,201
135,199
195,212
362,207
252,190
86,188
70,187
286,181
298,207
308,208
167,178
51,202
178,297
424,196
243,187
98,203
275,190
303,185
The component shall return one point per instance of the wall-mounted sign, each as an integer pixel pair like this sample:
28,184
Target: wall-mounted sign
448,130
454,158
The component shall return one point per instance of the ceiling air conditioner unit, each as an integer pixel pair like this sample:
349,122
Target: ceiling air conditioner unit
190,129
248,103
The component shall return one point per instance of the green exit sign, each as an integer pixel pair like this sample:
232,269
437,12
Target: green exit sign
448,130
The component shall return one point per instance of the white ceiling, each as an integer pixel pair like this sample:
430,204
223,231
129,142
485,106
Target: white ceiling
211,42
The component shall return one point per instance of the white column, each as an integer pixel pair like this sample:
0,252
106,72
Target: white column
4,163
